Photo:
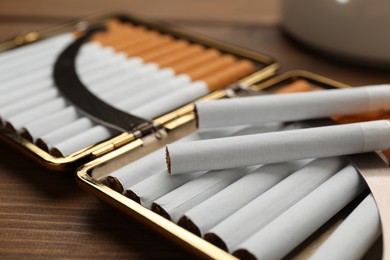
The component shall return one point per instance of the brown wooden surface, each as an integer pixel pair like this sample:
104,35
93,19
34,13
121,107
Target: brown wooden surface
45,215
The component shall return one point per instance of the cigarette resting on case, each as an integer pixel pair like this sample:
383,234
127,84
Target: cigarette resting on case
303,218
295,106
355,236
275,147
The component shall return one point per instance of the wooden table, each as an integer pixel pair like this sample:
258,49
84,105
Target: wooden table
44,214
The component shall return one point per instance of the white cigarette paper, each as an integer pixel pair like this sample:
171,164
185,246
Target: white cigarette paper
218,207
34,60
160,183
50,123
262,210
67,131
154,163
291,107
36,47
82,140
32,101
131,102
16,94
18,120
172,100
31,80
275,147
287,231
145,167
355,236
190,194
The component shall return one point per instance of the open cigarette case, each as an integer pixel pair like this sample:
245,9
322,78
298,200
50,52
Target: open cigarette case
153,72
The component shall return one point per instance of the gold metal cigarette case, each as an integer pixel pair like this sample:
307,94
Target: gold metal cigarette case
93,163
265,66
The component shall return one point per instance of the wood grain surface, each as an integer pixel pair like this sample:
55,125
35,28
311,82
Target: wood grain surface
44,214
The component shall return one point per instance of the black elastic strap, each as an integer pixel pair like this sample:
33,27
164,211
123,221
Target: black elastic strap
69,84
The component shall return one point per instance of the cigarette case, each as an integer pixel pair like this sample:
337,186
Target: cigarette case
95,160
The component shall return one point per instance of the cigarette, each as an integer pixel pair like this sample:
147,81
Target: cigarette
147,46
295,106
275,147
19,94
107,72
298,222
148,95
31,62
81,140
104,135
220,63
229,75
27,83
22,105
118,67
118,72
139,85
91,54
113,36
32,48
122,40
181,96
296,86
29,80
153,163
54,137
209,213
123,78
34,129
134,42
189,64
49,124
16,122
159,184
164,51
173,204
92,58
232,231
183,55
211,67
107,63
127,37
171,101
137,171
355,235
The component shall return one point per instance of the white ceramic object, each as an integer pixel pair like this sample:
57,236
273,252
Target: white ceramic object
357,30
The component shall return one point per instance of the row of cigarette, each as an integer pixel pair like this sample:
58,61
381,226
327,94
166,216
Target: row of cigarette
212,204
284,146
259,212
135,69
